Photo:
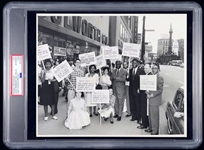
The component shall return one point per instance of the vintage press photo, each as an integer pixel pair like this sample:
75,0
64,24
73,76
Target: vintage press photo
114,75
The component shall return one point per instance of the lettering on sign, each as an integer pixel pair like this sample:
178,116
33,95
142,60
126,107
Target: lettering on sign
85,84
62,71
148,82
100,96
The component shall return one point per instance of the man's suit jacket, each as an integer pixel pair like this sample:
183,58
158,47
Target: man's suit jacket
135,79
157,95
119,80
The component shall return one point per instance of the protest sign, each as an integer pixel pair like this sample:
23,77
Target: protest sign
131,50
62,71
148,82
118,58
100,62
87,59
109,52
43,52
59,51
100,96
85,84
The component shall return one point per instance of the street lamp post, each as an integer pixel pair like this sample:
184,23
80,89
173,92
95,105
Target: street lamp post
143,39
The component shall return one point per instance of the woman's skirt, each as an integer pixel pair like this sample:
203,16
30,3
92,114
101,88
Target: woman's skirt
106,112
47,96
77,119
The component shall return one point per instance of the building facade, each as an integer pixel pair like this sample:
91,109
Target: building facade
122,29
74,34
181,48
162,46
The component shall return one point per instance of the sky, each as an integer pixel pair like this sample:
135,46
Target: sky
161,24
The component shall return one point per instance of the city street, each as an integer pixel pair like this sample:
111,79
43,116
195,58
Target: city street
173,79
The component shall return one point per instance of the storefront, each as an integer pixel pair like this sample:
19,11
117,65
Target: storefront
70,36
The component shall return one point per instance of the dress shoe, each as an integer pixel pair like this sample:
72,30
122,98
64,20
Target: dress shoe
141,127
95,114
154,133
148,130
119,118
132,119
54,117
116,116
127,115
46,118
111,121
139,122
105,119
90,115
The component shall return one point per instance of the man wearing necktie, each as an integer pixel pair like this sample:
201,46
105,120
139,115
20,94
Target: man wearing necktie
134,80
119,78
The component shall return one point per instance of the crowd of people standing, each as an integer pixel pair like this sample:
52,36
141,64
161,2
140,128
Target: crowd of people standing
123,83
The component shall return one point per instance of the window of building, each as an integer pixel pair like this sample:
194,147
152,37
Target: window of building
59,42
121,30
129,21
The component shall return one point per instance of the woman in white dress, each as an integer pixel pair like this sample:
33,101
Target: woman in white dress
105,81
78,117
88,95
107,110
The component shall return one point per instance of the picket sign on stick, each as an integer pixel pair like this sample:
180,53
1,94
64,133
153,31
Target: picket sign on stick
109,52
85,84
129,64
131,50
87,58
148,82
100,114
147,106
62,71
43,52
100,96
100,72
43,64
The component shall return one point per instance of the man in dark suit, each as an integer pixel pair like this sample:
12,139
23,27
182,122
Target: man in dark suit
143,98
119,78
134,79
155,98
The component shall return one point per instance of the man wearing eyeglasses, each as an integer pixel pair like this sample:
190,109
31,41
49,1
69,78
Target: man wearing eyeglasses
155,99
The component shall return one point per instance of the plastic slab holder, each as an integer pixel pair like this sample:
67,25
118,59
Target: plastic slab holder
36,31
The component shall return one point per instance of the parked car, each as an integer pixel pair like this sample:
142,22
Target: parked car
169,63
175,113
182,65
175,62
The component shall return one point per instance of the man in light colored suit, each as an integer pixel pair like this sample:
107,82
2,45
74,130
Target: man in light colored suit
125,66
155,98
119,78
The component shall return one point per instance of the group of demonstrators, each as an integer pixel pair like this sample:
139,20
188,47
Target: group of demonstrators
123,83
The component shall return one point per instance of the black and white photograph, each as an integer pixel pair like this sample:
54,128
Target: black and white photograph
111,75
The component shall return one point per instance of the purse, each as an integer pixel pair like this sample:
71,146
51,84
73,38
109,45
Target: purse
98,87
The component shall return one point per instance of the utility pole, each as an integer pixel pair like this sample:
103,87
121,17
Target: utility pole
143,40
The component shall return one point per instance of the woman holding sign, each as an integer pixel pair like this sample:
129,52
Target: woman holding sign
105,81
88,95
107,110
47,96
78,117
